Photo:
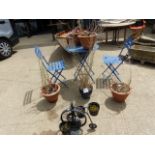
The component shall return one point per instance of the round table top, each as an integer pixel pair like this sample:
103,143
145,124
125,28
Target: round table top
123,24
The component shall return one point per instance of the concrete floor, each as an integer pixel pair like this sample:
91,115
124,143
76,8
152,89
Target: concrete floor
24,111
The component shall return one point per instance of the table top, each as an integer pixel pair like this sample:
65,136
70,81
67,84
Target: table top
123,24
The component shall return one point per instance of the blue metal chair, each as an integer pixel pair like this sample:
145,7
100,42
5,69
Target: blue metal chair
54,68
114,62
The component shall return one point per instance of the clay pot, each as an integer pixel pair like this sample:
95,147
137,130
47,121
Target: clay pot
119,96
53,96
87,41
137,31
76,39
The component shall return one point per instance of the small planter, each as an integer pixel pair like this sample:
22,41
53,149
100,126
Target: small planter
93,108
53,96
86,92
121,95
87,41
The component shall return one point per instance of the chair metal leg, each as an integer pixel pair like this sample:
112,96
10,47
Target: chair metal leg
113,71
56,76
90,68
57,72
113,68
83,64
89,74
105,70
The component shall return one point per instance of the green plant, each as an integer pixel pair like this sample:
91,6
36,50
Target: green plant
84,80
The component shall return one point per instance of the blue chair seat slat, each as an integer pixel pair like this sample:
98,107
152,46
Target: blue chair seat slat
55,66
58,65
50,67
62,64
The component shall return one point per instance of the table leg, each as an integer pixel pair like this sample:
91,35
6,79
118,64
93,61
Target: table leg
106,36
124,33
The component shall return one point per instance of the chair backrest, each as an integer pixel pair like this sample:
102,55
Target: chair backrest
41,57
127,45
38,53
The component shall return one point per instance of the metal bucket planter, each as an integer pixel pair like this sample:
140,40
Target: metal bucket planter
86,94
93,108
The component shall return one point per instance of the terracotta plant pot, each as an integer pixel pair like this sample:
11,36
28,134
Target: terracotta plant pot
53,96
119,96
87,41
137,31
76,39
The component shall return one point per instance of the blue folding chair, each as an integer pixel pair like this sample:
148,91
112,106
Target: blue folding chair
114,62
54,68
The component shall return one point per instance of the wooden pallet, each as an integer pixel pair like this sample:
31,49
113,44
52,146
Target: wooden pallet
143,53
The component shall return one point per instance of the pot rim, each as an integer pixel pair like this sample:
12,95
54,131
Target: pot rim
53,93
85,36
120,93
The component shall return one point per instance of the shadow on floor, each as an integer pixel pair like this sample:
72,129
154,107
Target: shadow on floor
104,86
47,132
109,47
145,65
69,59
4,59
72,93
114,106
20,46
44,105
52,114
102,83
27,97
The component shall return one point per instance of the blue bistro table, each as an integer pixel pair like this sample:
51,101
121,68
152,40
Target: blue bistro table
83,62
